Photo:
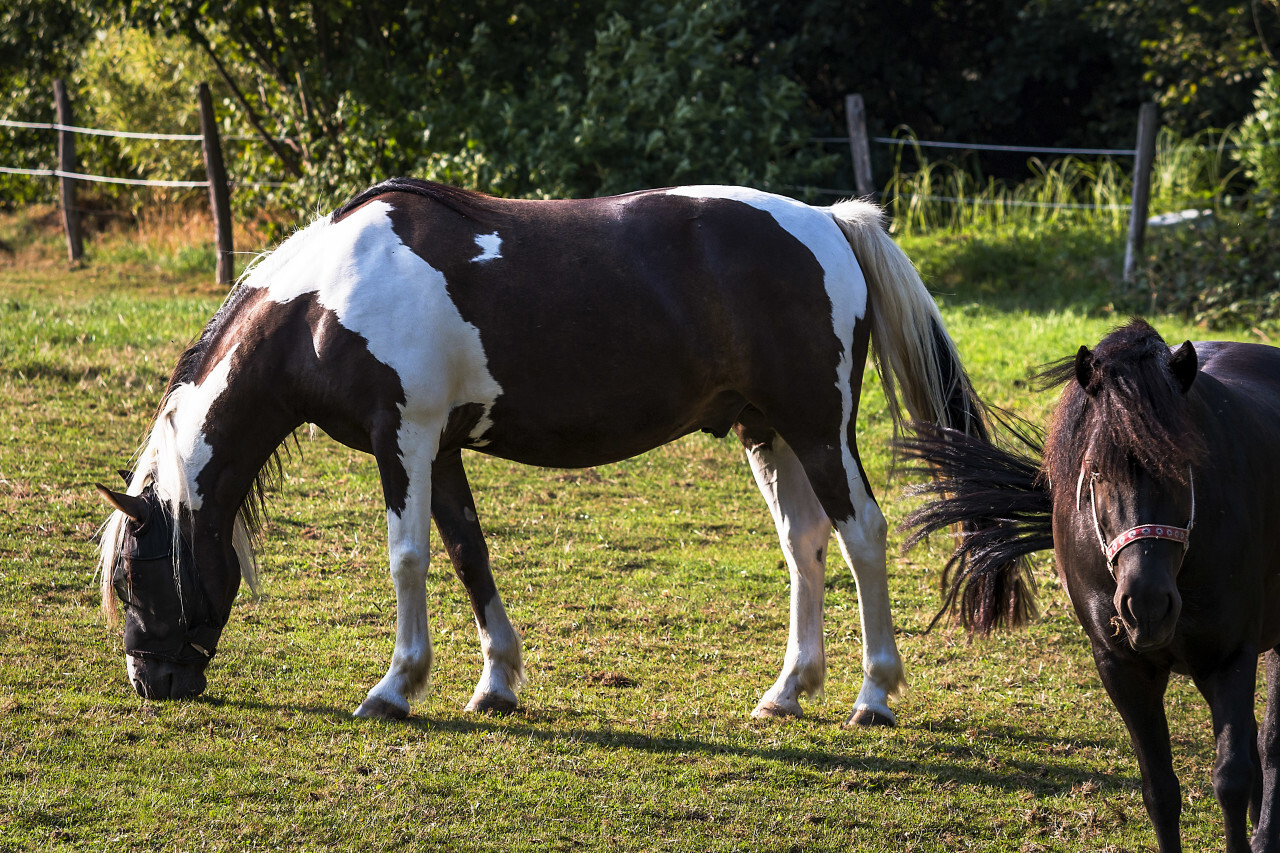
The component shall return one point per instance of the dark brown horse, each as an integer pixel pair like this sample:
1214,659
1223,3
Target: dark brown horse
419,320
1159,491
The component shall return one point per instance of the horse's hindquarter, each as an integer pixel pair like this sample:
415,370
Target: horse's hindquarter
611,326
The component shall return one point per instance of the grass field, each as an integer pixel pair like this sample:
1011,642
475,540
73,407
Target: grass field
650,594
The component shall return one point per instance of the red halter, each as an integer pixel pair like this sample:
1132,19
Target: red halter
1143,531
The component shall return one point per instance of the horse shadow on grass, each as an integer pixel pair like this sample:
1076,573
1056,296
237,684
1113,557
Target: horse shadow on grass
935,752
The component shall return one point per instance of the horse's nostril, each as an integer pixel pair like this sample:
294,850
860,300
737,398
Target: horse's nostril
1126,610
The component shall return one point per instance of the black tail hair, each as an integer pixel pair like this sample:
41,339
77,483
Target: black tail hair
1005,510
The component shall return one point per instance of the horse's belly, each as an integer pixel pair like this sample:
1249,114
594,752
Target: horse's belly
596,433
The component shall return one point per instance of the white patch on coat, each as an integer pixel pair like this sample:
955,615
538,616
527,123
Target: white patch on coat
843,277
490,248
380,289
179,435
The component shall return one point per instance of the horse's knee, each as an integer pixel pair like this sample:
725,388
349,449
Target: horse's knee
408,563
1233,779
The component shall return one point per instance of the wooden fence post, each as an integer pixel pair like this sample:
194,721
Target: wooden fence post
219,192
1143,160
855,116
67,163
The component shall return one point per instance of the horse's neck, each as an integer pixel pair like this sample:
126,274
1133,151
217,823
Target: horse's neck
222,429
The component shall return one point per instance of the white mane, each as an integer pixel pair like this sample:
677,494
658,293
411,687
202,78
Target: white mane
164,463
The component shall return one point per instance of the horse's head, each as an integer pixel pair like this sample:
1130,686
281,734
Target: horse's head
175,584
1136,490
1142,526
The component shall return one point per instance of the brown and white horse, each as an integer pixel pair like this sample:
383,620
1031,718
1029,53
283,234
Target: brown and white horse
420,320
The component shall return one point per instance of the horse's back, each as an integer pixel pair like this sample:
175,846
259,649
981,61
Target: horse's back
1250,370
1242,424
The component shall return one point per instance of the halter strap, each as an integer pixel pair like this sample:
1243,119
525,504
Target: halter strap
1147,531
1113,548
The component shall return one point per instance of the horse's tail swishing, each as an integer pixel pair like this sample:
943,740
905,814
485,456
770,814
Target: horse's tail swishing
916,356
1003,504
918,362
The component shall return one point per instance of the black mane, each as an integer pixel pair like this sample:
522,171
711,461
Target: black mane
193,357
1133,413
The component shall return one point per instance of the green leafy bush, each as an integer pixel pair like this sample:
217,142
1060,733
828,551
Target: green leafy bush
1220,271
129,80
1259,137
649,94
1223,269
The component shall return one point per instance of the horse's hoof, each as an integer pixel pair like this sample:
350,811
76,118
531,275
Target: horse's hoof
374,708
491,703
863,717
774,711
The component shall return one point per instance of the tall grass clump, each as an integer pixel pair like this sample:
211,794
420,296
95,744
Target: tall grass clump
942,195
1192,172
1094,193
1216,263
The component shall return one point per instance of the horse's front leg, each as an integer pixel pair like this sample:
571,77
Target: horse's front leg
1266,836
1137,690
1229,690
405,468
455,514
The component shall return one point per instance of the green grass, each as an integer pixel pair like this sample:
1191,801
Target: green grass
663,569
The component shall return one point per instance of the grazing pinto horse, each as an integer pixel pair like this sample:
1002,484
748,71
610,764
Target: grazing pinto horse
1160,495
419,320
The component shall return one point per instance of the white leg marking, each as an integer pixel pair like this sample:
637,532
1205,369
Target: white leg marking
862,542
803,531
408,542
503,672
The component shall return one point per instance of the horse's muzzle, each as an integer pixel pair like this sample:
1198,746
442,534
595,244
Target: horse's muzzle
159,679
1149,617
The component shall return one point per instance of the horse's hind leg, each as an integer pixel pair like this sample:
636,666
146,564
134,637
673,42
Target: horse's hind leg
455,514
803,530
837,478
818,485
1266,835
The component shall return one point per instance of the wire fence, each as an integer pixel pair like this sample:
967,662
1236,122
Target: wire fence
893,141
859,141
980,146
125,134
904,142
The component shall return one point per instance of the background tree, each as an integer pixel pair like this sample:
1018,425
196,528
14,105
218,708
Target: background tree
598,96
39,40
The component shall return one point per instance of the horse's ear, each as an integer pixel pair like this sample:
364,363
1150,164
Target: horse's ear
1184,363
1084,368
126,475
134,507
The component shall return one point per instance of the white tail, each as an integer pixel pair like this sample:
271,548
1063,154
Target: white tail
913,351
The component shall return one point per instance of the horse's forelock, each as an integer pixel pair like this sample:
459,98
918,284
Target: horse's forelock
110,541
1134,415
